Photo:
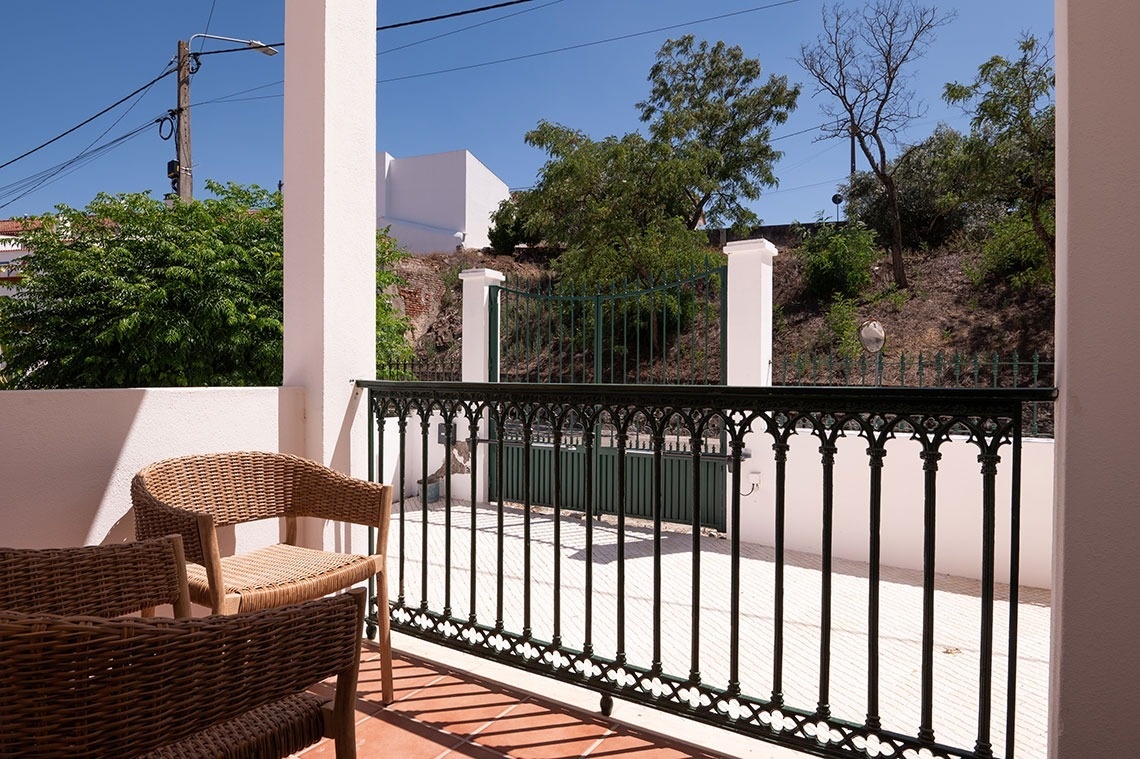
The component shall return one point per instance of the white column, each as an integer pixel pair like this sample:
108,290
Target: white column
330,220
749,363
1095,659
750,312
477,354
477,322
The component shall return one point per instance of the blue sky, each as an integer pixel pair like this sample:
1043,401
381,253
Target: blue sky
64,60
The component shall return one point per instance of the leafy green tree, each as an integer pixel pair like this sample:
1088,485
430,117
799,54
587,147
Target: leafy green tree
392,344
707,103
861,60
1013,141
617,204
936,191
130,293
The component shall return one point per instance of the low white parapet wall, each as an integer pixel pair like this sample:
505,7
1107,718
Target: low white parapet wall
958,546
67,456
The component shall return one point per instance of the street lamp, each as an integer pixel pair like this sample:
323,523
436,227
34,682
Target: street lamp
180,170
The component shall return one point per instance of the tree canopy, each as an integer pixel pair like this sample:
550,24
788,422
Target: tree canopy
1013,144
128,292
861,61
628,207
707,104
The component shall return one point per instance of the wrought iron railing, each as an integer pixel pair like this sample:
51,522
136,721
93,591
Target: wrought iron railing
710,627
926,370
443,368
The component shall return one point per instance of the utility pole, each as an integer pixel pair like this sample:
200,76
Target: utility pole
185,176
852,148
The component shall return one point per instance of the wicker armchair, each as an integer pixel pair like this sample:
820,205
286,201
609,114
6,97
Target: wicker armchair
193,495
230,686
98,581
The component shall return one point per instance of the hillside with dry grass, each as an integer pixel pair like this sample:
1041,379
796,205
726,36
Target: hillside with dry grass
945,310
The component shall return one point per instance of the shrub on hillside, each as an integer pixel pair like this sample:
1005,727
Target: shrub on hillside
1015,255
837,258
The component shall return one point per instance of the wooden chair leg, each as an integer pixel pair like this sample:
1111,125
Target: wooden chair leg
384,639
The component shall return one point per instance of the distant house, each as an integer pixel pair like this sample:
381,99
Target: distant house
435,203
10,251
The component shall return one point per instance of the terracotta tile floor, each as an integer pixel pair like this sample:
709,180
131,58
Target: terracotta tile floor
443,712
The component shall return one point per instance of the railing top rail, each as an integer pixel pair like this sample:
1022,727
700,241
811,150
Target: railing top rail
832,398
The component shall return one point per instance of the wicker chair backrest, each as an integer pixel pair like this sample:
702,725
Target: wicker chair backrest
232,487
99,581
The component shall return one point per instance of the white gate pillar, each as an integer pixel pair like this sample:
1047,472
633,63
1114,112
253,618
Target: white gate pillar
749,364
477,354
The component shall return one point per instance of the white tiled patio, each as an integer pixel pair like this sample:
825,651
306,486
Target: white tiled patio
957,611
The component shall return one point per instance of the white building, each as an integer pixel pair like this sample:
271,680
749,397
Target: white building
434,203
10,251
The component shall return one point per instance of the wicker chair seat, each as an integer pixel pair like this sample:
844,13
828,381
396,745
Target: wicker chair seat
278,729
282,574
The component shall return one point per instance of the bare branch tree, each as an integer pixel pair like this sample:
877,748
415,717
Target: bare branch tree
860,60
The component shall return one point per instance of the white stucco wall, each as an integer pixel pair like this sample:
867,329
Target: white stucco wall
427,199
958,547
484,193
69,455
1094,659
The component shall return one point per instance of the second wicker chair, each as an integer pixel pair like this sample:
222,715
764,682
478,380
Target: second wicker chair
194,495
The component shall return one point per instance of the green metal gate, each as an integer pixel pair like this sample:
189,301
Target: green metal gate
666,333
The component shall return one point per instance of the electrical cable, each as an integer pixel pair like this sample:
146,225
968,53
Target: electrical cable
47,177
468,28
87,121
402,24
587,44
23,187
209,18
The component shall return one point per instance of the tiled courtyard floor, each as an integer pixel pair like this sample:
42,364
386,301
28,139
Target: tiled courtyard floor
446,707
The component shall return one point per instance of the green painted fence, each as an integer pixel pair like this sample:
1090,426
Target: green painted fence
659,333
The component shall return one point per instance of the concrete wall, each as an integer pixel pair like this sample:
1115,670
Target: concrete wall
958,548
70,454
428,199
1094,661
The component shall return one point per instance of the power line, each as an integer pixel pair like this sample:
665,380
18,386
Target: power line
27,185
48,175
470,27
401,24
587,44
87,121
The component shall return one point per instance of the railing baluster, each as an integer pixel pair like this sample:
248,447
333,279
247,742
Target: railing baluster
588,493
737,448
449,442
402,423
695,598
556,638
780,447
1014,584
473,445
500,464
658,505
875,452
827,452
528,483
930,457
989,462
620,497
425,431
